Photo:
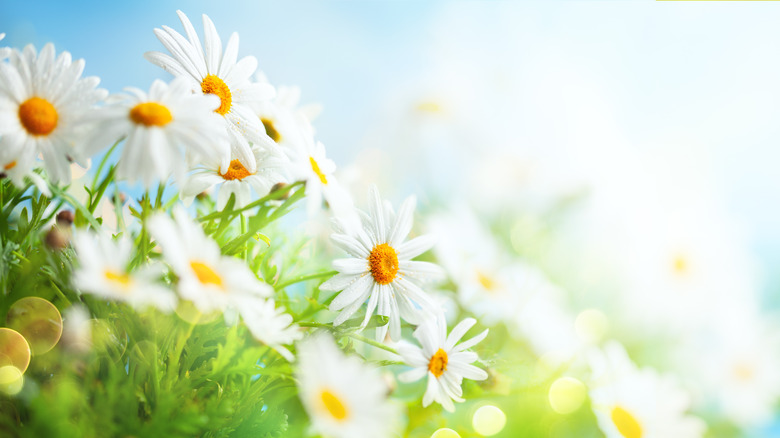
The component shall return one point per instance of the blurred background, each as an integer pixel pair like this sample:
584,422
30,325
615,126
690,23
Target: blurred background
651,125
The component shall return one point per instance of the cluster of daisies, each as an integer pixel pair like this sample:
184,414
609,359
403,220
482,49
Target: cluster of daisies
218,125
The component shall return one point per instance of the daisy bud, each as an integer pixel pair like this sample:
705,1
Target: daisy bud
65,218
56,239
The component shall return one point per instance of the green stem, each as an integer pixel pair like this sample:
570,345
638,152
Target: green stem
77,205
371,342
59,292
304,278
269,197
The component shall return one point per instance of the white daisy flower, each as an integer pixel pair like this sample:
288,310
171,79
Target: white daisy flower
633,403
381,269
343,397
206,277
4,51
309,163
233,177
272,326
219,73
102,271
43,103
17,165
442,359
284,120
162,128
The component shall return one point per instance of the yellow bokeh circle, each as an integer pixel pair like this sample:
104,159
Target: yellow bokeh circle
38,321
566,395
488,420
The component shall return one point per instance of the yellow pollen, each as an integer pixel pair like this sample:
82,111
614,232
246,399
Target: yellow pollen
205,274
438,363
38,116
626,423
235,171
10,165
214,85
117,277
486,281
333,405
429,107
316,168
383,262
270,130
150,114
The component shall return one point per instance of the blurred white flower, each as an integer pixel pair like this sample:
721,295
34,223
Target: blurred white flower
206,277
219,73
165,128
638,403
285,122
43,105
381,269
4,51
272,326
442,359
344,397
77,328
103,271
234,177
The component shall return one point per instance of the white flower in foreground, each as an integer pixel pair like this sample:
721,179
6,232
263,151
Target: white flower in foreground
309,164
234,177
272,326
206,277
163,128
17,166
381,269
344,397
4,51
43,103
103,271
633,403
219,73
442,360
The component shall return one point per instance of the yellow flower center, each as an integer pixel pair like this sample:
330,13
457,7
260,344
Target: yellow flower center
333,405
486,281
205,274
744,372
316,168
383,262
10,165
438,363
680,265
270,129
117,277
150,114
626,423
38,116
236,170
214,85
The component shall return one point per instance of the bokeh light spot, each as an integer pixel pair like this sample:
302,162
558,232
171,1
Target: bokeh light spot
566,395
14,349
488,420
11,380
38,321
445,433
188,312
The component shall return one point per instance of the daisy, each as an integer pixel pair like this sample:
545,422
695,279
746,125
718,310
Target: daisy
4,51
343,397
206,277
283,119
103,272
309,163
43,102
380,268
162,128
234,178
442,359
272,326
16,166
219,73
633,403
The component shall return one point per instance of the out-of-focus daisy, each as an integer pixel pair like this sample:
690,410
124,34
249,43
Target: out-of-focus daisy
43,104
735,364
309,164
219,73
103,272
633,403
343,397
442,359
272,326
381,269
206,277
162,128
4,51
233,176
18,166
284,121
